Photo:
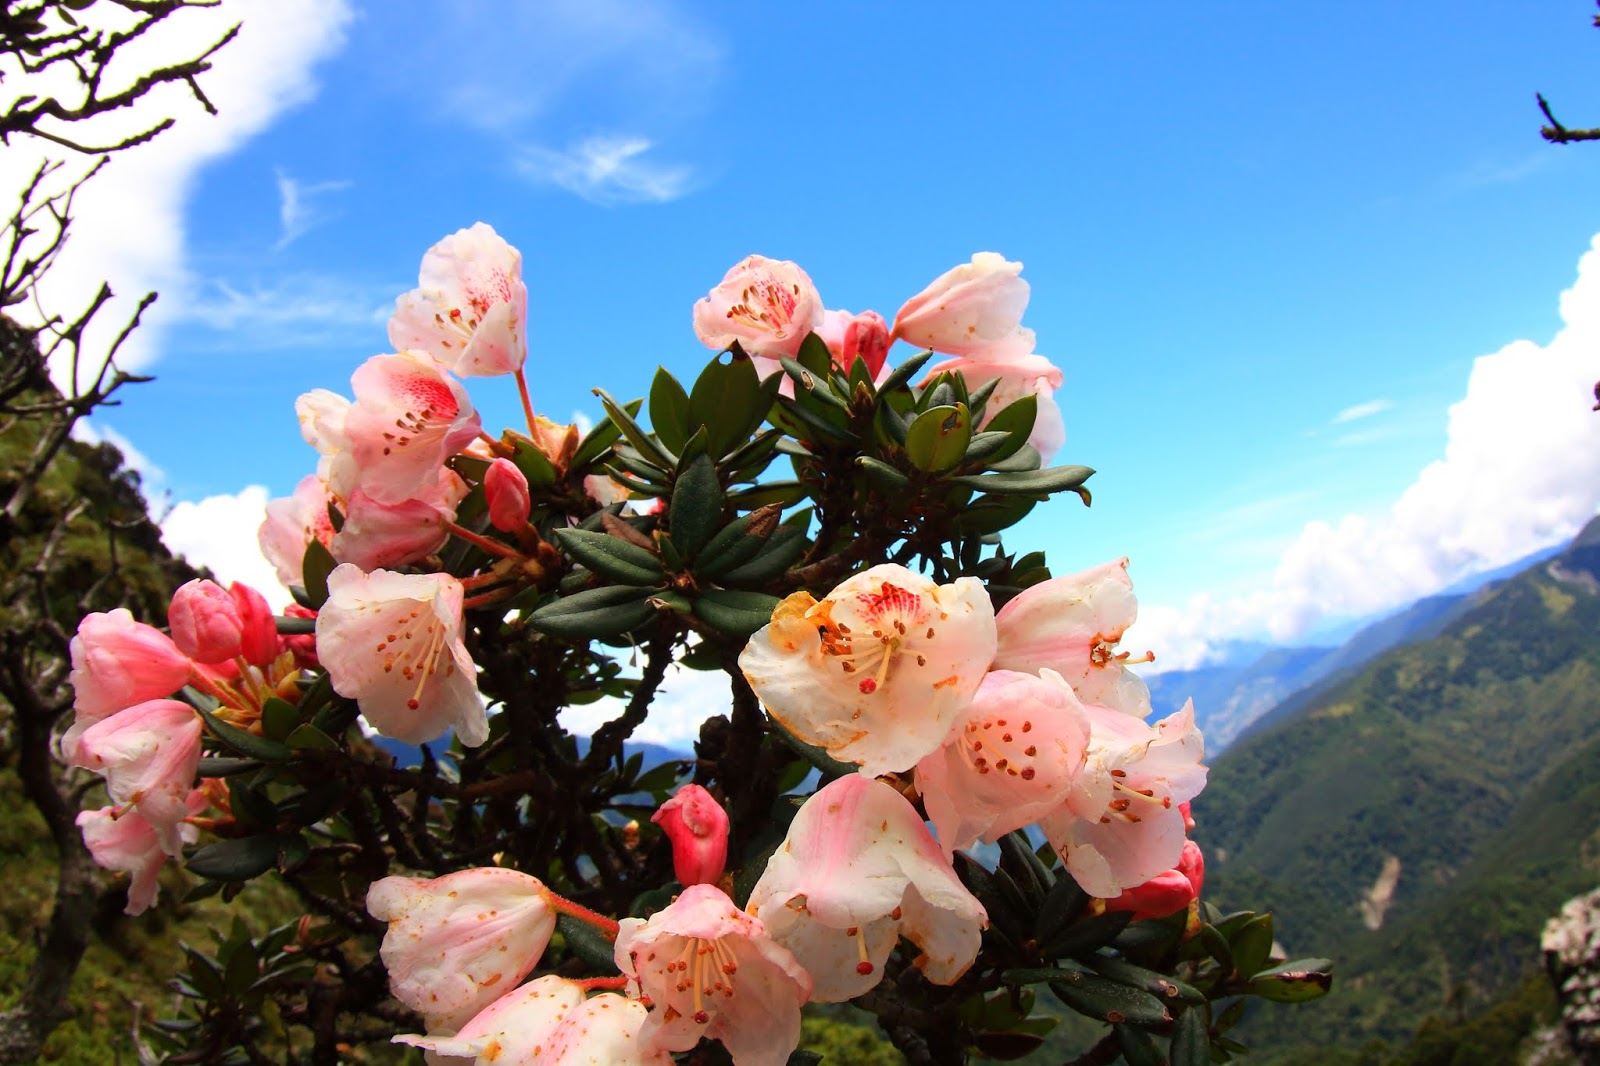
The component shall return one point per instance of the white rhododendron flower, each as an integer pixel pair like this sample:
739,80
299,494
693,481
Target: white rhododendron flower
1011,759
857,871
1122,823
878,671
1072,625
392,642
457,943
470,307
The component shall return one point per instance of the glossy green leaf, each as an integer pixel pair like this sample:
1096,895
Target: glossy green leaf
602,612
239,859
782,551
610,556
636,436
738,613
243,742
1085,935
601,437
781,492
904,373
727,399
738,542
938,438
669,410
1251,945
586,942
1098,997
1191,1045
315,566
695,511
278,718
1139,1048
1033,483
309,736
533,463
881,475
1159,985
1296,981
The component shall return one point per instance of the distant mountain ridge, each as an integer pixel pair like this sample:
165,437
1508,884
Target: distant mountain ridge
1420,818
1255,682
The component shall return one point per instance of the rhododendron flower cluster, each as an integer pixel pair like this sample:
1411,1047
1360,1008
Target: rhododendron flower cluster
905,699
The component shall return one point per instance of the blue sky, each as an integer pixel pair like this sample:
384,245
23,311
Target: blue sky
1240,222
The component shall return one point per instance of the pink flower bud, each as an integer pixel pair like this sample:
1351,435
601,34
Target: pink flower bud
851,337
1167,893
205,622
303,645
117,662
507,492
258,632
698,828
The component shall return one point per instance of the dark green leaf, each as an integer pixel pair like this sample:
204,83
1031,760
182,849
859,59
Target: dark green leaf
236,860
737,542
937,440
1032,482
1191,1045
212,767
315,566
904,372
1086,934
242,742
1296,981
1063,903
779,492
669,410
601,438
1139,1048
1251,945
1017,857
641,441
695,511
601,612
991,514
294,627
533,463
309,736
278,718
242,970
1024,459
782,551
1015,419
738,613
1157,984
1216,946
881,474
611,556
727,399
1089,993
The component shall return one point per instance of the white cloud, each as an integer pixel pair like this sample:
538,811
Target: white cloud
130,227
220,532
1361,410
1520,471
298,212
684,701
607,169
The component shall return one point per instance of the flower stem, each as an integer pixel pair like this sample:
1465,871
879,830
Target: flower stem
488,545
562,905
527,403
602,984
224,696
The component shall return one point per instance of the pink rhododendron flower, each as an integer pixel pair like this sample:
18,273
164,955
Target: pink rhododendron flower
857,871
292,523
392,642
698,828
506,490
379,535
1121,824
118,662
205,622
767,305
974,309
1168,892
1018,376
1072,625
303,646
409,416
149,754
470,307
457,943
121,839
851,337
1011,759
710,969
548,1022
878,671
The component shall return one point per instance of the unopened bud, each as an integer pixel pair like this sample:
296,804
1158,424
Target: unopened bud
205,622
698,828
258,641
507,493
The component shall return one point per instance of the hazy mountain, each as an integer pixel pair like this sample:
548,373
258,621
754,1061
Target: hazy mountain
1420,819
1250,682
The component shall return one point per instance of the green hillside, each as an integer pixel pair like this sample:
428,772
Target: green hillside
1469,767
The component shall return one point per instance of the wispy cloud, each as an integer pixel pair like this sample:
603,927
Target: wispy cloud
608,169
1362,436
1361,410
1502,173
1520,470
291,310
298,212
